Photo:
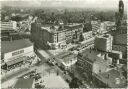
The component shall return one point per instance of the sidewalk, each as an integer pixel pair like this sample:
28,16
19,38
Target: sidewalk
16,74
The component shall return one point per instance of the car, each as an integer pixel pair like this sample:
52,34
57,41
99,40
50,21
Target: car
37,76
26,77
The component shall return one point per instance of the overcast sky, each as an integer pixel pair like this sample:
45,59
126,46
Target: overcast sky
68,3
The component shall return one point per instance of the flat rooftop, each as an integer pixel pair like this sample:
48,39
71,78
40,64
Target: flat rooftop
73,26
53,28
24,83
50,28
9,46
65,57
93,55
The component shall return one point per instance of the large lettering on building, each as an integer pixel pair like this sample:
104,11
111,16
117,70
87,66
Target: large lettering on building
17,52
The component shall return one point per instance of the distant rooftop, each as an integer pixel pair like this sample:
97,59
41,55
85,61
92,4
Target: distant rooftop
73,26
9,46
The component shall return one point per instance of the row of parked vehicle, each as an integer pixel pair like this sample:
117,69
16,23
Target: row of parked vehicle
32,74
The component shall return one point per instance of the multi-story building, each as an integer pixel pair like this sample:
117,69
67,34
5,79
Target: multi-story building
112,78
87,27
55,36
8,30
73,32
120,40
91,61
14,53
110,25
87,35
95,66
46,35
95,27
120,36
11,25
103,43
106,26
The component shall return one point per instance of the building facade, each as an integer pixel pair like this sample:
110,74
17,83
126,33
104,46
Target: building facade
110,79
103,43
73,32
14,53
55,36
95,26
107,26
120,36
47,36
11,25
89,62
87,35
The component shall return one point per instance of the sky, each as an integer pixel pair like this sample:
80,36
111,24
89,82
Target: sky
67,3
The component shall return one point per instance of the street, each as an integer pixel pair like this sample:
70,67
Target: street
43,66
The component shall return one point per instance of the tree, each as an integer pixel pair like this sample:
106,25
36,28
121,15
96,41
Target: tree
16,18
74,83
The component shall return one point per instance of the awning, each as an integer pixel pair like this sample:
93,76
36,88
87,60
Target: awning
17,60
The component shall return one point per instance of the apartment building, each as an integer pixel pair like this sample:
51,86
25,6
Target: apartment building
55,36
103,43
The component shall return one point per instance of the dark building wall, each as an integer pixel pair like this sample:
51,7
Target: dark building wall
85,66
41,36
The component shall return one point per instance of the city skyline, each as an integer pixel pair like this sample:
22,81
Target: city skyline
60,44
103,4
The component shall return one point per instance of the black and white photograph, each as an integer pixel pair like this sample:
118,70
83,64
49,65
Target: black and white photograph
63,44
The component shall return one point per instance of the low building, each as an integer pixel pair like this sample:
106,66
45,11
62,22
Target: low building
16,52
66,60
103,43
121,48
110,79
115,54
